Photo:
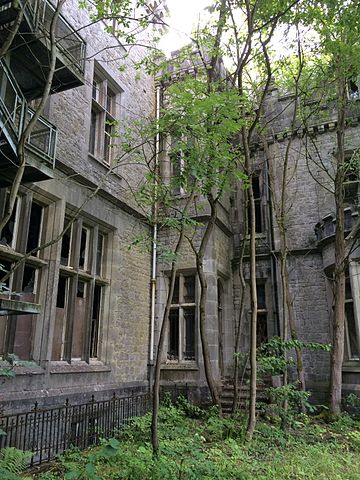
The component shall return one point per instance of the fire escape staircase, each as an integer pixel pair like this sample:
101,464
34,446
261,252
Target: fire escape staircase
23,75
29,59
40,147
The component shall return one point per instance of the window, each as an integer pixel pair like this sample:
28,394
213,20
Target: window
180,177
261,319
80,292
352,333
351,178
104,113
182,320
255,180
21,235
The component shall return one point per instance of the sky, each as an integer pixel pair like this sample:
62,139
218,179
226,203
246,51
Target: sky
183,15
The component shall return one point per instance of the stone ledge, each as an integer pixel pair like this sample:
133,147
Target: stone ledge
180,366
78,367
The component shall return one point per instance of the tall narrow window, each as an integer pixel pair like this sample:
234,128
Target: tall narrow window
255,181
104,113
352,328
33,239
351,178
261,319
95,321
182,320
20,236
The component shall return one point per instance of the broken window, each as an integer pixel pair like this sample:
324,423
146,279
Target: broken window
182,320
21,235
80,292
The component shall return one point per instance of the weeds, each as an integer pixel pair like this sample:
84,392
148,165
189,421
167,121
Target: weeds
198,444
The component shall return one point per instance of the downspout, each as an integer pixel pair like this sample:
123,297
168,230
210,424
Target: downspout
154,243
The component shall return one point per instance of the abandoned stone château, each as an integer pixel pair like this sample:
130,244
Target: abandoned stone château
85,319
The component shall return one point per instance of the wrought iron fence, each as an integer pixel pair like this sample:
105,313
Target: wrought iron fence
48,432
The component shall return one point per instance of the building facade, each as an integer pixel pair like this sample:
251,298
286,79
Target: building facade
85,320
91,333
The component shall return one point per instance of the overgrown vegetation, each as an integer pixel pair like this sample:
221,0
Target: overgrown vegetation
198,444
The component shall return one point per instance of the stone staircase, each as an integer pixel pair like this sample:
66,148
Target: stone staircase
227,395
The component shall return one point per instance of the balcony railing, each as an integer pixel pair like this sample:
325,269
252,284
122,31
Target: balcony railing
38,15
12,107
42,139
326,228
15,115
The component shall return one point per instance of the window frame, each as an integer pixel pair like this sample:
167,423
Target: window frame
75,274
103,117
352,297
181,306
10,253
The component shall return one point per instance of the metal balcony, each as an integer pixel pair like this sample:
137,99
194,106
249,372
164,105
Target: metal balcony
30,51
40,147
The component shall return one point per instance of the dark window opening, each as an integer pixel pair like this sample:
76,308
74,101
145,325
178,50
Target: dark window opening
80,290
99,254
261,329
34,227
83,248
61,293
65,245
258,209
8,232
189,317
261,296
173,353
189,289
28,283
95,320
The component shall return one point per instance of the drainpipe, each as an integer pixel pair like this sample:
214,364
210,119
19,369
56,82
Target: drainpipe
154,242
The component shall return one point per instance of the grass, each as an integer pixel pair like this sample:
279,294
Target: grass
200,445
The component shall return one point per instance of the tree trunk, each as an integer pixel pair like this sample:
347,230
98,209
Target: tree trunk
163,329
240,316
339,270
253,364
203,296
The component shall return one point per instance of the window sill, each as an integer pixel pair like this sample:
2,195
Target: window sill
105,165
9,252
351,366
180,366
20,368
78,366
99,160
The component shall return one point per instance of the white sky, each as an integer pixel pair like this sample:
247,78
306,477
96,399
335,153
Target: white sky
183,16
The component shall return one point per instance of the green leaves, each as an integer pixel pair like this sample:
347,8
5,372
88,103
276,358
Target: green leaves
202,123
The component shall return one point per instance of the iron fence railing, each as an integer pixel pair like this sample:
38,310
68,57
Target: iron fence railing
48,432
